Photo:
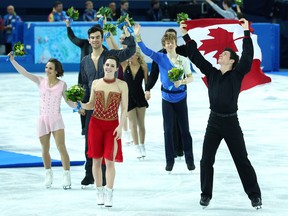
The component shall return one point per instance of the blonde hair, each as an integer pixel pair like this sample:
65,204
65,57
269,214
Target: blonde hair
140,56
168,37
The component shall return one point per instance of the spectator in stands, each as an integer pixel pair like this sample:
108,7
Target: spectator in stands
155,12
123,10
10,20
112,6
1,23
57,13
89,13
228,12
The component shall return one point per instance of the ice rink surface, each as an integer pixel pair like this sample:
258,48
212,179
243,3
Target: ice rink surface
143,188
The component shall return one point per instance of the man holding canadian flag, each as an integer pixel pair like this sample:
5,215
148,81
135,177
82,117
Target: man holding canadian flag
224,84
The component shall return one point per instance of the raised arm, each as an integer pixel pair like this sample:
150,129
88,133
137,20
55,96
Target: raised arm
111,42
128,52
147,51
224,13
193,53
246,60
23,71
75,40
90,104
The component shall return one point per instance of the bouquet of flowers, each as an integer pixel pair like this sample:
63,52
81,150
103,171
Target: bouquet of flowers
76,94
123,20
72,13
182,17
104,11
175,74
239,2
109,27
18,49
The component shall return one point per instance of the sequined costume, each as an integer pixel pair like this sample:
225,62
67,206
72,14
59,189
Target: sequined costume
50,118
102,125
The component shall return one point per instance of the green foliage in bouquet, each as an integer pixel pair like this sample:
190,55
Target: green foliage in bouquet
175,74
72,13
239,2
75,93
182,17
104,11
123,19
18,49
109,27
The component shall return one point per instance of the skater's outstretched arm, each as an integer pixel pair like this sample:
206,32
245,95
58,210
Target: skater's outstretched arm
22,70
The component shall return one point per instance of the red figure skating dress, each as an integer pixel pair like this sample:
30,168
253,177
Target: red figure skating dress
103,122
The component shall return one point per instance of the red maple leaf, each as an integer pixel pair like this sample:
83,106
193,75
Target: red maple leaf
221,39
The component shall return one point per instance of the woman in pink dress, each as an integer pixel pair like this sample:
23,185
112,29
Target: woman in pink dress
105,130
50,121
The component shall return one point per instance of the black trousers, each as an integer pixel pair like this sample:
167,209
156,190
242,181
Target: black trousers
169,111
82,118
226,128
178,145
89,161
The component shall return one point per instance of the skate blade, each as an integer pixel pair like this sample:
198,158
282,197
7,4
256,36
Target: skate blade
90,186
67,187
258,207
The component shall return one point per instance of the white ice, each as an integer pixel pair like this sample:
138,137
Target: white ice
144,187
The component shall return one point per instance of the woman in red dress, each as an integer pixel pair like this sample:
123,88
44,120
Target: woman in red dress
105,130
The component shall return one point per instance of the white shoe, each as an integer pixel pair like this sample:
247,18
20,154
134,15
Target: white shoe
138,151
142,149
100,195
48,178
108,202
66,179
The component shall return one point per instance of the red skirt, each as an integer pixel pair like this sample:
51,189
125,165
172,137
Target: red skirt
101,140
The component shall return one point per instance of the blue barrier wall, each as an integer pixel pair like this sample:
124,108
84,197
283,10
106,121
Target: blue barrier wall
45,40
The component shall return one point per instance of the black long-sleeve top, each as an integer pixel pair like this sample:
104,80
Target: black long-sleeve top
83,44
89,72
154,73
223,89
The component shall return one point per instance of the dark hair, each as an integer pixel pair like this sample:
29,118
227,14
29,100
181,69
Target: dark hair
58,67
94,29
233,56
114,58
171,30
153,2
228,3
56,4
123,2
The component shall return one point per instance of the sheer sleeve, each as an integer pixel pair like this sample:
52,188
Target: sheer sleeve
25,73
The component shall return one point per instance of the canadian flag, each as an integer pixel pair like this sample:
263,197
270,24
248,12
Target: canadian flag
214,35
